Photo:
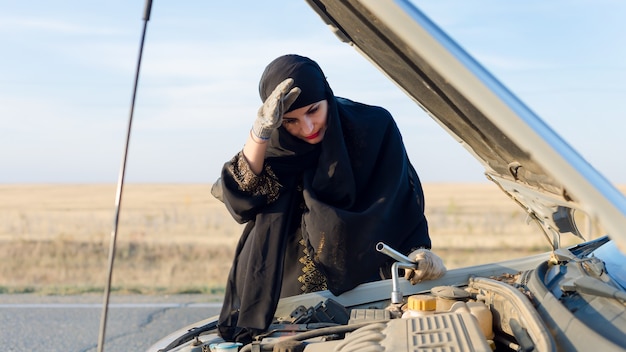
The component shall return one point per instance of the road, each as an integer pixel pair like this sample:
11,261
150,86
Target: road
72,323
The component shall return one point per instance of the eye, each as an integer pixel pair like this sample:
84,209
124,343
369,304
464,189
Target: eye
288,121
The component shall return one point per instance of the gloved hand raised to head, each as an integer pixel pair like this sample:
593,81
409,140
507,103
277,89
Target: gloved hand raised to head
270,115
429,266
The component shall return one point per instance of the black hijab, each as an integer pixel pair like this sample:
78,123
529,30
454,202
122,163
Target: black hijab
347,193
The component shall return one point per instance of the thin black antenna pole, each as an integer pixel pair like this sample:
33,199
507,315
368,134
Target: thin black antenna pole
120,186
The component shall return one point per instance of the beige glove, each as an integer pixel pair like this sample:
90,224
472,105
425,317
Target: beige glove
270,114
429,266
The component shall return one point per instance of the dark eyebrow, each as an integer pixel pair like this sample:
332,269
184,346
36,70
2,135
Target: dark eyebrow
314,106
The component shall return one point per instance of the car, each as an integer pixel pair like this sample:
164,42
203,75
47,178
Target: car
571,298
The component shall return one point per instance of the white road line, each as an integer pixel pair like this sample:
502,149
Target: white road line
111,305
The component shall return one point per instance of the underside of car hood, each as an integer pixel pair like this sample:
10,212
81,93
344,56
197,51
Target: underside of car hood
519,152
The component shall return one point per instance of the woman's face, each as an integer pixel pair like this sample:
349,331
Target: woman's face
308,122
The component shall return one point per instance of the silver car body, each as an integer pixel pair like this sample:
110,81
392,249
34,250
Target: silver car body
568,299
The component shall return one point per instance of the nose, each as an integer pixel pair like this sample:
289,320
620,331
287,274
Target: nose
307,126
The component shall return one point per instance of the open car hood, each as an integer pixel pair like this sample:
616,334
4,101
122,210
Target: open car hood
519,152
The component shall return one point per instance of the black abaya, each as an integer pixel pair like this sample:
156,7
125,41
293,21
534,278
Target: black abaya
318,209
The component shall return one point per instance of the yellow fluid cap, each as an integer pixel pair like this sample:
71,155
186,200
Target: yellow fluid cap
421,302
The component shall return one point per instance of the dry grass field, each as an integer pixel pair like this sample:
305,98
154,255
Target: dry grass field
176,238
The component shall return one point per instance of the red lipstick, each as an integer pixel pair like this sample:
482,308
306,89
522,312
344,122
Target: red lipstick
313,136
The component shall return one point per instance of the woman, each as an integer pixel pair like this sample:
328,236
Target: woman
319,182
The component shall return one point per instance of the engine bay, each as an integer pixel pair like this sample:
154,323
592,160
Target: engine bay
514,311
489,314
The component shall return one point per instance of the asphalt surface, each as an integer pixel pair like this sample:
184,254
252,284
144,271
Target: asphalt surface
72,323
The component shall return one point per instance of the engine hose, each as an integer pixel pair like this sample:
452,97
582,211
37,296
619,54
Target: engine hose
314,333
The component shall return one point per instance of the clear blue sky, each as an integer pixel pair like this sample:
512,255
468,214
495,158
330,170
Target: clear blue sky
67,68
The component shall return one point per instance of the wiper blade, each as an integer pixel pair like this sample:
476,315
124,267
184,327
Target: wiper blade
584,249
596,287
